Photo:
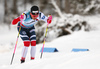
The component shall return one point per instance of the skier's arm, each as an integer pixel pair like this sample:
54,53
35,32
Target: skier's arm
43,17
21,17
15,21
46,19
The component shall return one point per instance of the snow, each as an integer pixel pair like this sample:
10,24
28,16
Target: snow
64,59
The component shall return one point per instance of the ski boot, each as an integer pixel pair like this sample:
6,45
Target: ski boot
22,61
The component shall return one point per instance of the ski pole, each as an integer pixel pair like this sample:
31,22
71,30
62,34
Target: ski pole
21,17
15,46
44,41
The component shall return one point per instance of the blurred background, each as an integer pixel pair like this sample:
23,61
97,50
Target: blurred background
68,15
10,8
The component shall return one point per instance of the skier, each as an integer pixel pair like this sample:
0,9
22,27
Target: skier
27,33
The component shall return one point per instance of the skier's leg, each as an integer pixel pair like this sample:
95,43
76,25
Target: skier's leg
24,50
33,42
26,41
33,49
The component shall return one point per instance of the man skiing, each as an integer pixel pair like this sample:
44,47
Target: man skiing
27,33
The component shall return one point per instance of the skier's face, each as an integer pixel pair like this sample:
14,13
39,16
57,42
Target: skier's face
35,15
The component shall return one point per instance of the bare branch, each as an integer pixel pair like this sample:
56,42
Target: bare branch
57,8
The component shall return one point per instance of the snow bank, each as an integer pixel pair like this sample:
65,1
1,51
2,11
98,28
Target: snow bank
60,60
62,26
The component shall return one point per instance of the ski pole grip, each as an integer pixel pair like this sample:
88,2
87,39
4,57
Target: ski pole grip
49,19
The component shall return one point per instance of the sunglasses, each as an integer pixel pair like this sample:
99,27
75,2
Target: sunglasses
36,15
35,12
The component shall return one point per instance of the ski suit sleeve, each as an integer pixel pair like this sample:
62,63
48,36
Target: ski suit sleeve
16,20
43,17
46,19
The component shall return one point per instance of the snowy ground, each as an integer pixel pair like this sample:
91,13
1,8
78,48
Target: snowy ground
64,59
